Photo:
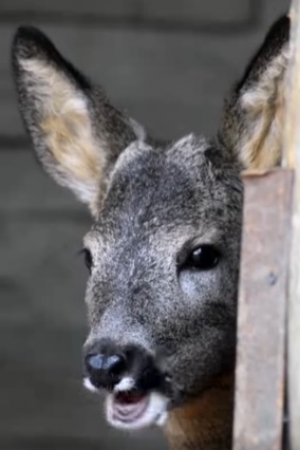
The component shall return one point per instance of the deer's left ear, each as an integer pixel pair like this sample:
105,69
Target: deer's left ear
253,115
76,133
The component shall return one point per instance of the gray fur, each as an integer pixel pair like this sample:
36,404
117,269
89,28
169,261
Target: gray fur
157,203
166,206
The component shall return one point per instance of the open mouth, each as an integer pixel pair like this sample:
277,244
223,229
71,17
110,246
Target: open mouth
133,409
129,407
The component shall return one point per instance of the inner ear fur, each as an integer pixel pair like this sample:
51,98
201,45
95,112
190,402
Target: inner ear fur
77,134
252,123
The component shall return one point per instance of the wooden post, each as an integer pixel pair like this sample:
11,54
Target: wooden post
291,146
270,287
259,395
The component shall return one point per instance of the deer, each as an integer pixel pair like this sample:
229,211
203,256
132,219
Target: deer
164,248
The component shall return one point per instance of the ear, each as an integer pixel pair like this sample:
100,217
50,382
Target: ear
253,115
76,133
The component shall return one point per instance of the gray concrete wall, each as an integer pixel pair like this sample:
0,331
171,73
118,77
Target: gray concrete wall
169,63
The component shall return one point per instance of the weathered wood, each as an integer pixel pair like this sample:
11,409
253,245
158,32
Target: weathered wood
261,321
292,160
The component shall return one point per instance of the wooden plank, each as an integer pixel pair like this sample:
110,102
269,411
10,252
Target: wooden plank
179,11
261,319
291,146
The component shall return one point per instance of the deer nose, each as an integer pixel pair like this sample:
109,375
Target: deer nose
105,370
107,363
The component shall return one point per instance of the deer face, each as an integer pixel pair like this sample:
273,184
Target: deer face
163,252
163,257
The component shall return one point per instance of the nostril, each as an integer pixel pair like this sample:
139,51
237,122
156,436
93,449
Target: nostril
115,365
94,362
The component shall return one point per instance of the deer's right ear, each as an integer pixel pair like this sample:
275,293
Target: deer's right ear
252,123
76,133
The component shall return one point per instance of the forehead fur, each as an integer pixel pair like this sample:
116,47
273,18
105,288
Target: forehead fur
173,184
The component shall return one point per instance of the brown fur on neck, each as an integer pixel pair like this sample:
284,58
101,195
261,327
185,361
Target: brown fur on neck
206,421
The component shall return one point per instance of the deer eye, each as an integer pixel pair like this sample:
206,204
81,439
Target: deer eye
88,259
205,257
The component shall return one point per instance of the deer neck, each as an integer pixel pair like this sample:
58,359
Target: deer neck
204,423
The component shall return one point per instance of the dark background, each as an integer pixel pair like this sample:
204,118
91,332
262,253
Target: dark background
169,63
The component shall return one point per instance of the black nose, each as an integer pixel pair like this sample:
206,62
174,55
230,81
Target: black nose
105,370
106,363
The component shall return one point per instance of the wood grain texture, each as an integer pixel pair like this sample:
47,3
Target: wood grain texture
262,306
291,147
